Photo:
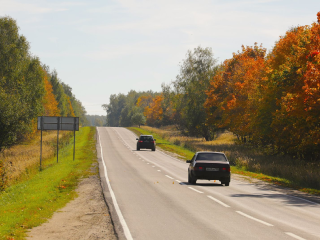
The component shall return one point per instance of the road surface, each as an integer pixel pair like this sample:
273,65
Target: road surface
151,199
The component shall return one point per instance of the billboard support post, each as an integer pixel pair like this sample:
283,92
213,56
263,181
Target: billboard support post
58,123
58,120
41,144
74,139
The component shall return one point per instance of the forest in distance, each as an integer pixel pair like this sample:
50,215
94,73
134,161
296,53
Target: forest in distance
267,99
28,89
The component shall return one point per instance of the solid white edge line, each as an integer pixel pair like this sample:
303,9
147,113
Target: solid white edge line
114,200
195,190
218,201
169,177
255,219
302,199
294,236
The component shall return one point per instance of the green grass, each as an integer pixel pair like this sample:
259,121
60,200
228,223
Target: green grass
183,153
240,164
30,203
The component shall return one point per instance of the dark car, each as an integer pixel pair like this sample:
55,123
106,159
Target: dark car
146,141
209,166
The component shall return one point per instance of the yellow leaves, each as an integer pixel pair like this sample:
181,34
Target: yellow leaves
50,103
299,71
154,111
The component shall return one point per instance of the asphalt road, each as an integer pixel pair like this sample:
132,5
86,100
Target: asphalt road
153,200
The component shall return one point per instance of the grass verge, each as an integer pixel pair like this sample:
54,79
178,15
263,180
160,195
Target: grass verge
30,203
239,167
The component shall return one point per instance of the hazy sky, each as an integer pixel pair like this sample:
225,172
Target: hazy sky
108,47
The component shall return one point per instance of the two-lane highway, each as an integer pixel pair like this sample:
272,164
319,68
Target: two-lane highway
153,200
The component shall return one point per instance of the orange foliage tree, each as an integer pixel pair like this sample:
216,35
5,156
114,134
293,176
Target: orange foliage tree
274,99
50,103
154,111
294,87
234,91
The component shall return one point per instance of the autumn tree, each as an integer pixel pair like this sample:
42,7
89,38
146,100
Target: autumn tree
154,111
234,91
293,91
50,104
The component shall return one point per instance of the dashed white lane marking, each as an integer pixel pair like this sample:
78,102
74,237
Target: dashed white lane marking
159,170
294,236
126,230
218,201
195,190
178,181
169,177
255,219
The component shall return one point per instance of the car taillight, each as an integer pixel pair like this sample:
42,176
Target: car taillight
198,168
226,169
140,141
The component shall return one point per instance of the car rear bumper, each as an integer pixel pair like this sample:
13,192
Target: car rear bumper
221,176
146,145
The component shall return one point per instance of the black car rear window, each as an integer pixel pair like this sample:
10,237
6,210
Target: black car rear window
211,157
146,138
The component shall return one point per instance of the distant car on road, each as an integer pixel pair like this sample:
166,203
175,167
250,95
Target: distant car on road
146,141
209,166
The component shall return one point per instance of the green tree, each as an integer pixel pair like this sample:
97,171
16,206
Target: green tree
189,88
137,117
114,108
78,108
59,93
21,84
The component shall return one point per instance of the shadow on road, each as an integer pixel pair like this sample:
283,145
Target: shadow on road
203,184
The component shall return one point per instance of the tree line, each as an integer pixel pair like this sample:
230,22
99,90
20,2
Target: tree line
28,89
269,100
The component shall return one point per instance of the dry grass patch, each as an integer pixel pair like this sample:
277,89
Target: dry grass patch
20,160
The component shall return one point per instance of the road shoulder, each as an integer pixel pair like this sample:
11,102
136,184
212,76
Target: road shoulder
85,217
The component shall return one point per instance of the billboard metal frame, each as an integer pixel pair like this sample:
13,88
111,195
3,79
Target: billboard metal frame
58,123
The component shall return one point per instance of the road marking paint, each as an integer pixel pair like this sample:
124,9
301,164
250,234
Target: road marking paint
218,201
114,200
255,219
169,177
153,166
159,170
178,181
195,190
294,236
148,163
